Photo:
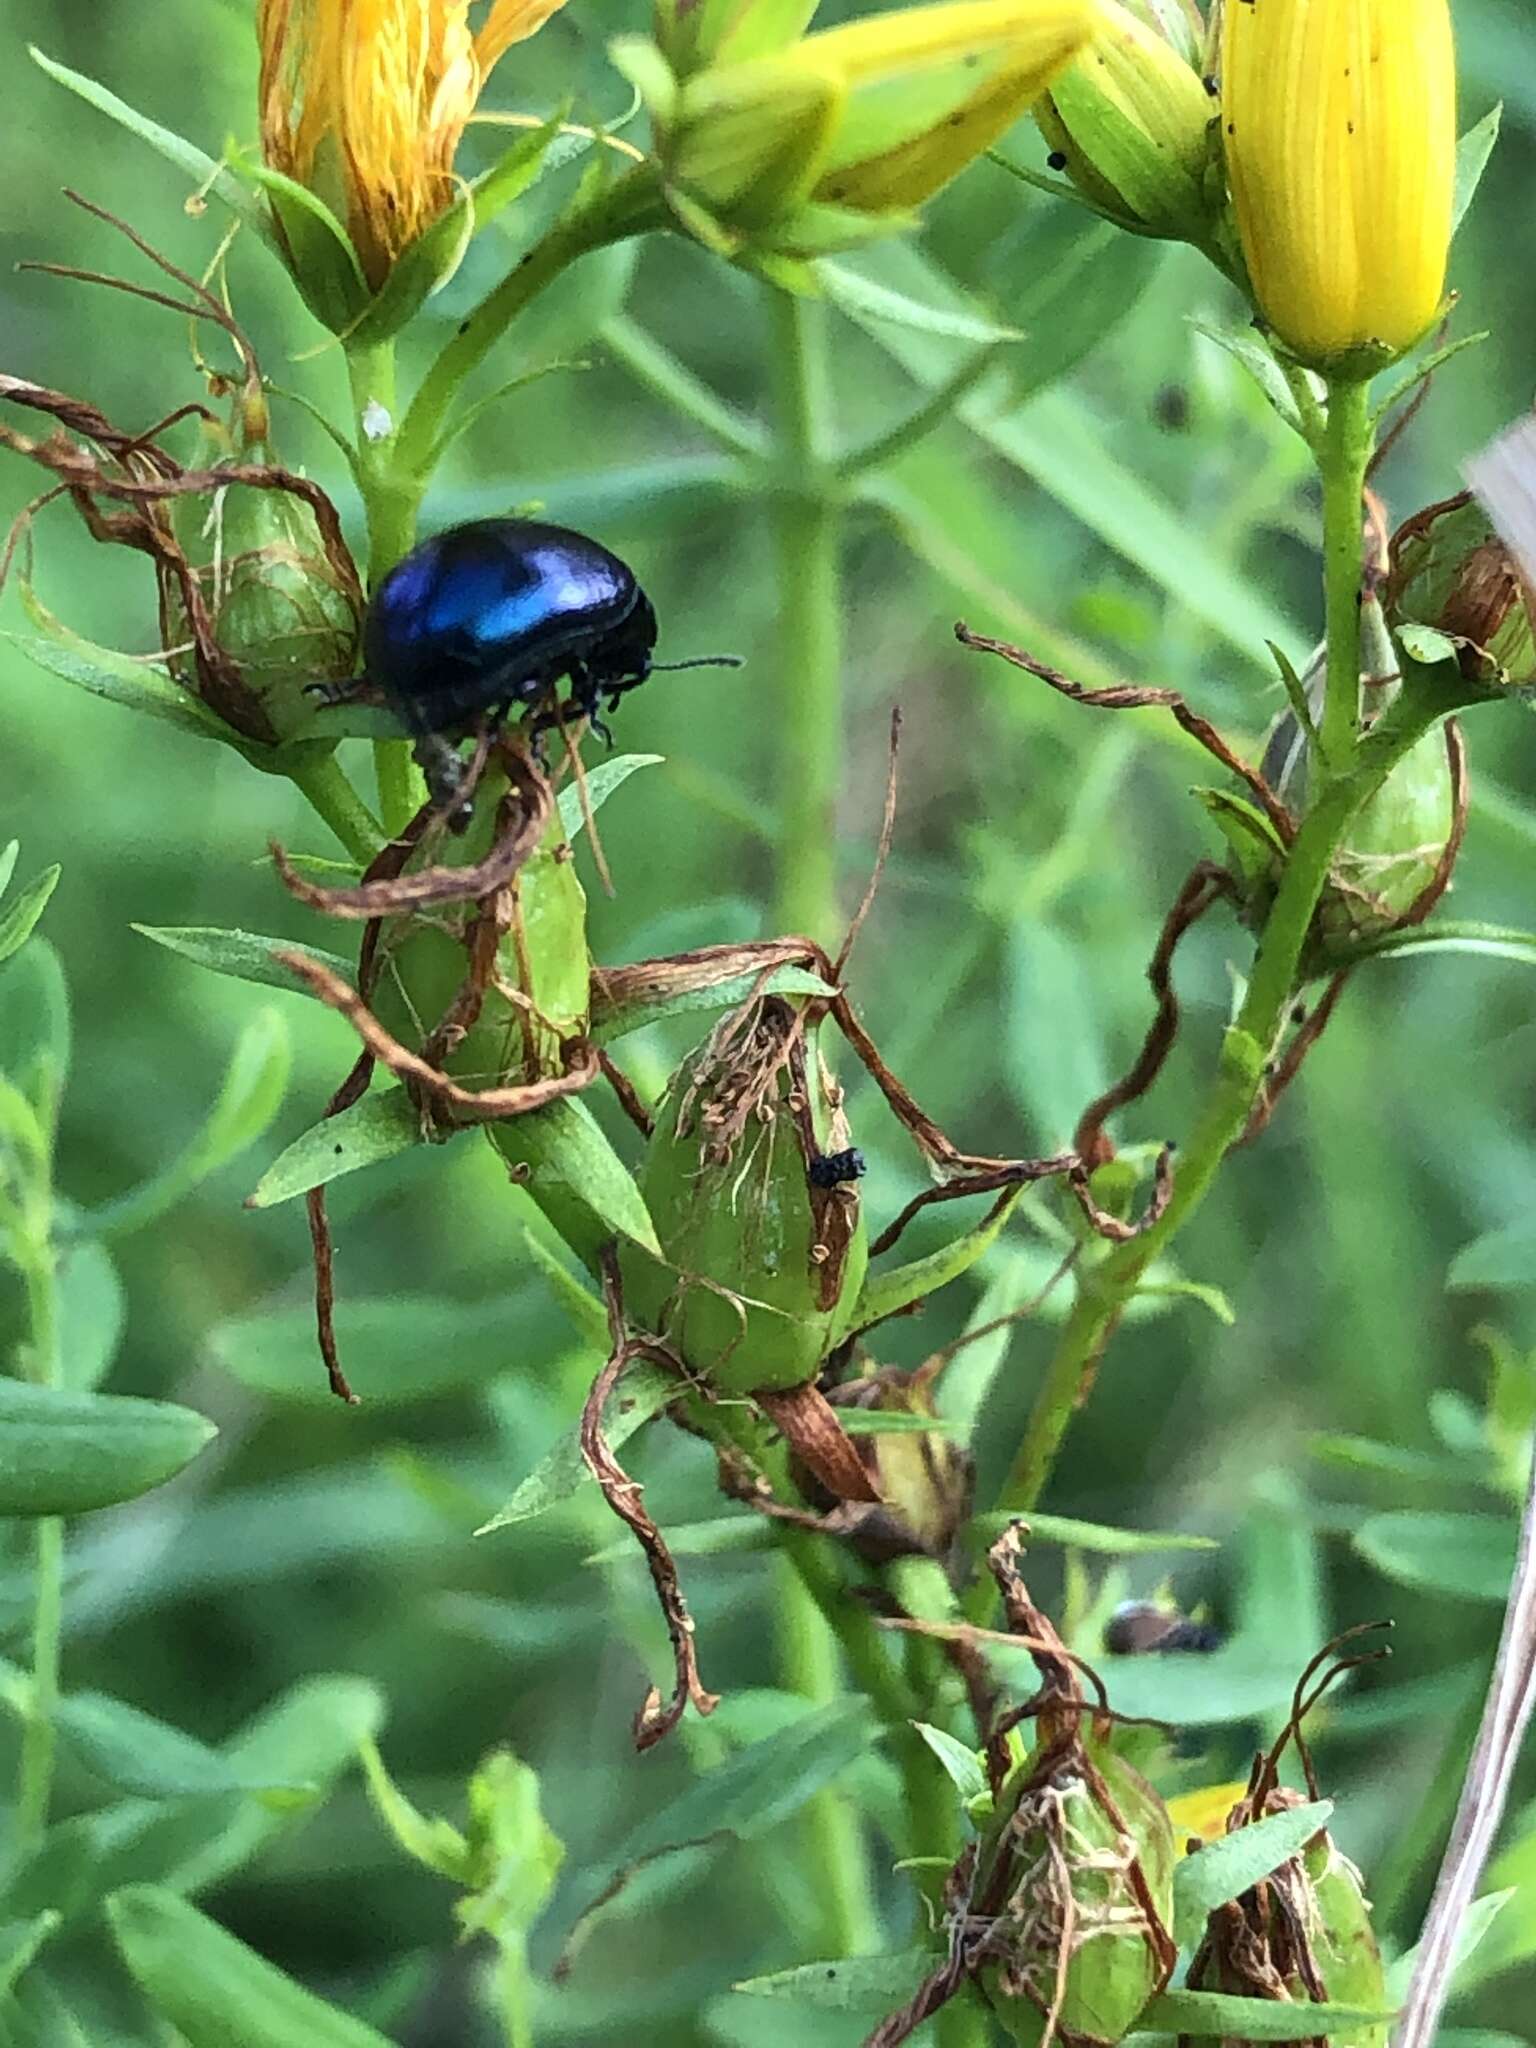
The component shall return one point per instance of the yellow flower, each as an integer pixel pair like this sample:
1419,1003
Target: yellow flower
929,88
1339,120
364,102
1203,1813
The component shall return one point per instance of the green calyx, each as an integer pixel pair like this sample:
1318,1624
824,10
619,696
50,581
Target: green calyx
1076,1873
762,1267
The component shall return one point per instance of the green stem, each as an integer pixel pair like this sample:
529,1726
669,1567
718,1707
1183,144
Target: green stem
391,499
836,1851
1346,450
807,533
330,794
34,1788
1347,777
515,1989
676,386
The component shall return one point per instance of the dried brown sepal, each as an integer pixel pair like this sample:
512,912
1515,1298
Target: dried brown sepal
1131,697
808,1423
467,1105
1206,884
655,1719
522,816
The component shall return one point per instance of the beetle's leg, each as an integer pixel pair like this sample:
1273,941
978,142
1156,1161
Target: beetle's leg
352,690
440,761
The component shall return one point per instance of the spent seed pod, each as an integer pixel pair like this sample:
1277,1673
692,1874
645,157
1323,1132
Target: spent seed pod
1450,571
923,1478
764,1259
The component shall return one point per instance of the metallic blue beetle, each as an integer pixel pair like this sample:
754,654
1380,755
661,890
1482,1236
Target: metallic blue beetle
485,617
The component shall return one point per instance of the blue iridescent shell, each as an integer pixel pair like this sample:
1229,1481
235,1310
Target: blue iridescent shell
496,613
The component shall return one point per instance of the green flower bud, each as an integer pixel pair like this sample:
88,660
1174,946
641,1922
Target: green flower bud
1450,571
285,613
1304,1934
692,34
763,1267
536,1002
1131,118
1393,848
1076,1872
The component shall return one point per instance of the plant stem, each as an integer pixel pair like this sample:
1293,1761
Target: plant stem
807,534
1345,452
834,1838
338,803
513,1984
45,1366
390,502
1347,777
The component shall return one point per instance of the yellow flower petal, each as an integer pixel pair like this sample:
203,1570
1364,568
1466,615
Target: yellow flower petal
1203,1813
1339,119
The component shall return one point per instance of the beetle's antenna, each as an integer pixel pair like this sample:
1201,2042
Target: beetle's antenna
703,661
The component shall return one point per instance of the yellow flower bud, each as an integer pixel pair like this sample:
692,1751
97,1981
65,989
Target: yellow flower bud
1130,117
1339,123
364,102
930,88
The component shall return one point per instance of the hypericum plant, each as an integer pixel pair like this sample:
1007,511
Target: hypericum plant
721,1269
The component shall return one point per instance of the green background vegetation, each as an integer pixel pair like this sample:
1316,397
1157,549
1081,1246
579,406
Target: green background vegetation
1135,512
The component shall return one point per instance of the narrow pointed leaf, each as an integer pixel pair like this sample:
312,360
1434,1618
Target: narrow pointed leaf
865,300
601,782
65,1453
140,1755
139,685
245,955
20,1941
376,1128
642,1392
861,1984
888,1293
1254,2019
1234,1863
249,1099
960,1761
1472,154
19,919
214,1990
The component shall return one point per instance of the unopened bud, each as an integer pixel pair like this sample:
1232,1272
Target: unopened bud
1452,572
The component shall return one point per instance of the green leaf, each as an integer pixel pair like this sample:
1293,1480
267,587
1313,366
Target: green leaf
378,1127
65,1453
888,1293
20,1941
585,1312
1479,1918
864,300
1209,1297
1254,843
1499,1259
245,955
92,1310
571,1165
891,1422
1472,154
1261,367
1254,2019
138,1754
718,1536
312,242
435,1844
138,685
960,1761
1233,1864
1468,1557
643,1391
18,922
1093,1536
404,1347
1498,942
214,1990
34,1024
516,1855
611,1022
8,854
251,1096
739,1800
601,782
201,168
863,1984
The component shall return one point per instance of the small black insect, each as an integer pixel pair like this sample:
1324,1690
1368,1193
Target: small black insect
832,1169
1137,1629
488,616
1057,160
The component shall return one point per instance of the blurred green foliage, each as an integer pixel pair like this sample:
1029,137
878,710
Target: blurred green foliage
1136,512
